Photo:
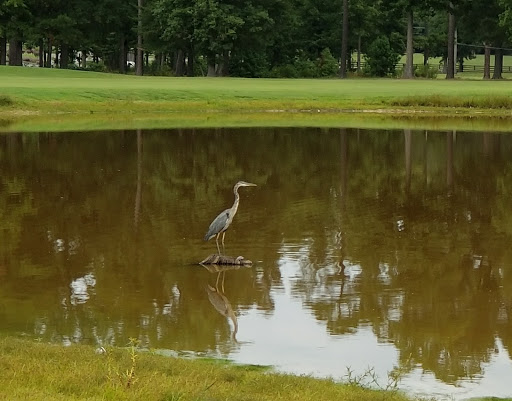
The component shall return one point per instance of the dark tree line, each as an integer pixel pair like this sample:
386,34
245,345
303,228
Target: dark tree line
247,38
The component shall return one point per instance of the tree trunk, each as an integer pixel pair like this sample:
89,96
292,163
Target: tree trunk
3,51
359,53
122,54
223,70
211,66
487,62
64,56
15,52
158,62
426,51
139,60
41,53
455,55
450,70
84,59
498,64
180,59
49,56
190,63
344,41
409,67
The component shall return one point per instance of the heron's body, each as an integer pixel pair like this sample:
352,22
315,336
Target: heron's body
224,219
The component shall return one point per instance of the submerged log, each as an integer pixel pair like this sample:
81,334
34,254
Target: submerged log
215,259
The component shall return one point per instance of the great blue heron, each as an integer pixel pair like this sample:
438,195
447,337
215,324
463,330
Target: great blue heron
224,219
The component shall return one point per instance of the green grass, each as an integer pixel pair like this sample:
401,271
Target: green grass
128,101
35,371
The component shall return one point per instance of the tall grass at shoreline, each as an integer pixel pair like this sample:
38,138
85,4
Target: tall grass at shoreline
480,102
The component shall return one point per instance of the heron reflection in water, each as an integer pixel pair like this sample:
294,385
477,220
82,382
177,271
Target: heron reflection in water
220,302
224,219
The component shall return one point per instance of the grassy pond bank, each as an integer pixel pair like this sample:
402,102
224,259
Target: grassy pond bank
34,99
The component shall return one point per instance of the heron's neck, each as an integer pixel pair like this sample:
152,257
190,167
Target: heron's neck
234,208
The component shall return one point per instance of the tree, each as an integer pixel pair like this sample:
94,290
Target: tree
15,22
215,29
139,60
381,57
481,24
364,18
433,37
344,41
450,70
409,67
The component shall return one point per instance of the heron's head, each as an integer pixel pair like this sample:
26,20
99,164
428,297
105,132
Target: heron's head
244,184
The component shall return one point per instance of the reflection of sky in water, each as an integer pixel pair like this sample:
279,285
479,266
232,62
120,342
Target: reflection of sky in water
497,374
80,288
293,340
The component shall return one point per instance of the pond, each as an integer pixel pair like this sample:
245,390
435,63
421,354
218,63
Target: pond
374,251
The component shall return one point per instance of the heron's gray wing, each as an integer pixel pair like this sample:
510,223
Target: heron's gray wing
217,225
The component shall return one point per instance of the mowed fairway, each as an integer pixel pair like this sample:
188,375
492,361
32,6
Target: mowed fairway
32,87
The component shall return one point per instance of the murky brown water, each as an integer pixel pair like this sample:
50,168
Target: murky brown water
378,249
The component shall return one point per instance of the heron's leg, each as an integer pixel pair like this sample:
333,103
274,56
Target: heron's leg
223,276
223,248
217,282
217,241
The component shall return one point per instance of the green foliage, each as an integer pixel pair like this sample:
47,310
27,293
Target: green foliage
284,71
250,65
327,64
159,70
303,67
96,67
381,58
426,71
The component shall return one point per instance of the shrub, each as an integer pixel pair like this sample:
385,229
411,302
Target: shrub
200,66
97,67
425,71
283,71
248,65
381,58
327,64
159,70
305,68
